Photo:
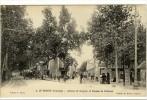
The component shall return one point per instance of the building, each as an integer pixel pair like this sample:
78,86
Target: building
55,67
72,70
95,68
90,68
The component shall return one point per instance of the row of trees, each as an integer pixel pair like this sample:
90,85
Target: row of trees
16,31
112,30
22,45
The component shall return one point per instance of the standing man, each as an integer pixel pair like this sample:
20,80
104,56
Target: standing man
108,78
103,78
131,78
84,77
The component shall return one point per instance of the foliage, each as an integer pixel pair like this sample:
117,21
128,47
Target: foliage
67,30
45,40
112,23
69,61
141,44
53,40
16,34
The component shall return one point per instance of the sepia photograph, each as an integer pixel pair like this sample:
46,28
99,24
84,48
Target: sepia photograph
73,51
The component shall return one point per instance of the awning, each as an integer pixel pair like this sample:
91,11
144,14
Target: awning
142,65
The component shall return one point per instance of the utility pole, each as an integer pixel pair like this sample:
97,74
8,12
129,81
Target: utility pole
0,48
135,79
116,62
123,59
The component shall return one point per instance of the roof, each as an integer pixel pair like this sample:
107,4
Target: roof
142,65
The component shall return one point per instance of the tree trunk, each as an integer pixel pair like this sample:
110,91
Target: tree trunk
108,55
2,69
130,81
123,72
29,63
56,66
5,66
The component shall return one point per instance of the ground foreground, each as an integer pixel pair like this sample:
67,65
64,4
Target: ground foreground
18,87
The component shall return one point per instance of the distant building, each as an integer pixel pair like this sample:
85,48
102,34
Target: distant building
90,68
54,66
95,68
72,70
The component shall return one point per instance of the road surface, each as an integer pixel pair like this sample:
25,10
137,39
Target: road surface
20,87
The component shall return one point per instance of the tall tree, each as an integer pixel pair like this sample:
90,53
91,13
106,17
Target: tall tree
141,45
16,33
67,29
46,40
105,28
53,41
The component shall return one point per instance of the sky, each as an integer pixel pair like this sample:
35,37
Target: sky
82,14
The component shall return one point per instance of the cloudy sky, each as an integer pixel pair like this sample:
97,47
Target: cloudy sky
82,14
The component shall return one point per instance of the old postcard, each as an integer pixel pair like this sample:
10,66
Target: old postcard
73,51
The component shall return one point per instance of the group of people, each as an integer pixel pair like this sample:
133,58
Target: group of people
46,74
104,78
58,76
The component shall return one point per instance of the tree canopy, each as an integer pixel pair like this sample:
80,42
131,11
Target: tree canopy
54,39
16,34
110,23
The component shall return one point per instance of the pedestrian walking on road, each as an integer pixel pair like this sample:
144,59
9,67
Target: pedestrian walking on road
81,77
